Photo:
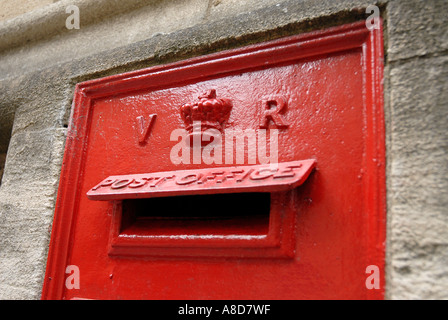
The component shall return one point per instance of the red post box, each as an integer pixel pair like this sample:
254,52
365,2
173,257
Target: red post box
254,173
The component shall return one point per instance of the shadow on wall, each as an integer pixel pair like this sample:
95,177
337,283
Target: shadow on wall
5,137
2,165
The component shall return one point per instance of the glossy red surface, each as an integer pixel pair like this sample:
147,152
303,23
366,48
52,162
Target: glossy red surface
256,178
317,240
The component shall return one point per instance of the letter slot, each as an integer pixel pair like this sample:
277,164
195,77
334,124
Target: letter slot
234,209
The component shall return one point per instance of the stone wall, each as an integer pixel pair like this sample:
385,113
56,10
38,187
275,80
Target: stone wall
41,61
14,8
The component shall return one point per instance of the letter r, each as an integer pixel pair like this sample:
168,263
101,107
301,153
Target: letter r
273,106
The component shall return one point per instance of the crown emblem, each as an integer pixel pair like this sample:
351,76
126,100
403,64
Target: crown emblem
212,112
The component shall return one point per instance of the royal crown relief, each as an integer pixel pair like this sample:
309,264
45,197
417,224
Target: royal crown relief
212,112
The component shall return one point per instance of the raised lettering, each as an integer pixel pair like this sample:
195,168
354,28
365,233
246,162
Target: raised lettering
144,131
273,107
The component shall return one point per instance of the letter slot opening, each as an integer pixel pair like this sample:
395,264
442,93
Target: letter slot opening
245,211
197,215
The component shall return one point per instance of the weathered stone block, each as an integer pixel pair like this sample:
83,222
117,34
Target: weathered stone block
418,180
23,244
416,28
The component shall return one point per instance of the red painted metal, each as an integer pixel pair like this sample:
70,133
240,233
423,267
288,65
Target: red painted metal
317,240
258,178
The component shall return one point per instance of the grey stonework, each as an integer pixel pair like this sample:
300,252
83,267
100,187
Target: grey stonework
417,179
41,61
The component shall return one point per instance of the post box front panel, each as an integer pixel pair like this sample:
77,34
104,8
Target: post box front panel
274,241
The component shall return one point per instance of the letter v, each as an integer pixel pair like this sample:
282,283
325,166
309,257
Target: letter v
143,132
